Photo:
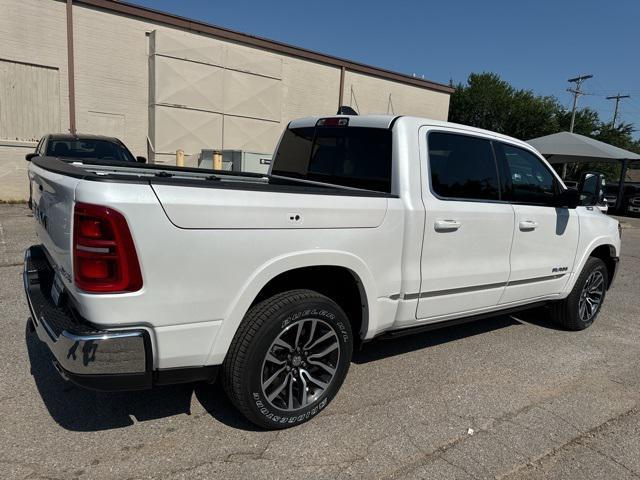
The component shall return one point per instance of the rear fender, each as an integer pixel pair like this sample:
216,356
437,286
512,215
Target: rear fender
283,264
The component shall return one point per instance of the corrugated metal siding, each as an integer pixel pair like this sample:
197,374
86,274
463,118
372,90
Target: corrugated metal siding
29,101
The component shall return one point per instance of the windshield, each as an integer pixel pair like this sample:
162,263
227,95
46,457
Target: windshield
348,156
89,149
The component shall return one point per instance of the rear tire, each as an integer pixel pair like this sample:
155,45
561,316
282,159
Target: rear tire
288,359
580,309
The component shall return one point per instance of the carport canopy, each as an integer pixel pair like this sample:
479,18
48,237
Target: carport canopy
565,147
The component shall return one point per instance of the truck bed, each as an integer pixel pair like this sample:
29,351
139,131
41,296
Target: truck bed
155,174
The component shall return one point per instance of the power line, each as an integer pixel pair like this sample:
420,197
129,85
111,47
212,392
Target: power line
617,98
576,93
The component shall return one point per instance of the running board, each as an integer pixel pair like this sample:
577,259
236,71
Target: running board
401,332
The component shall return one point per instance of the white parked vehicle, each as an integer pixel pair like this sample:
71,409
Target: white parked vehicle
365,227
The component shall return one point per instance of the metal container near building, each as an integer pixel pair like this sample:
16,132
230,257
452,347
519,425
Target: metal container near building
237,160
160,83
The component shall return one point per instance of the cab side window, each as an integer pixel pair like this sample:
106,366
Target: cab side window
527,178
462,167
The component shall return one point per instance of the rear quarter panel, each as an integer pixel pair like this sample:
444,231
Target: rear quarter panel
199,282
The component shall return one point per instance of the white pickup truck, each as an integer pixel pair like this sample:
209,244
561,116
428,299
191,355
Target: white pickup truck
366,226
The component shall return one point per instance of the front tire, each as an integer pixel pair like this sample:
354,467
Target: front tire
580,309
288,359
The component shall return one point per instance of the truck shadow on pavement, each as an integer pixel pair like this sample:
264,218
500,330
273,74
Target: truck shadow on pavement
384,348
78,409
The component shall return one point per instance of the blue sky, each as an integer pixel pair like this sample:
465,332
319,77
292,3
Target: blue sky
534,44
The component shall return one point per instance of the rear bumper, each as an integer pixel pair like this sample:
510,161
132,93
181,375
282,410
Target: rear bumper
87,355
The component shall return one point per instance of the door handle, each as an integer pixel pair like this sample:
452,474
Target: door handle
447,225
528,225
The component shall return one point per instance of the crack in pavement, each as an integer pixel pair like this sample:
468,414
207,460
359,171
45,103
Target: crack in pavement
536,462
609,457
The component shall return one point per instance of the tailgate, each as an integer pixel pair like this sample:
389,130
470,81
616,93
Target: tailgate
52,200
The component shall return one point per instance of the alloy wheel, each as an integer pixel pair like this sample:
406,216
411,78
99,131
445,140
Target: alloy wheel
300,364
591,296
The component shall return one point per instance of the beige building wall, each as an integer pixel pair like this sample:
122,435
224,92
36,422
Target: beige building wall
371,95
310,89
114,87
111,73
46,46
34,31
211,94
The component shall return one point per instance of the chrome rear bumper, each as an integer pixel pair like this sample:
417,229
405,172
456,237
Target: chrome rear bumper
84,354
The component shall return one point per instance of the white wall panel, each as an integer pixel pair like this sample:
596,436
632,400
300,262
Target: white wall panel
188,84
189,130
252,60
187,46
250,134
110,124
308,89
370,95
252,96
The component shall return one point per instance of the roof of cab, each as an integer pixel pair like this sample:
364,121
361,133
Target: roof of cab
386,121
370,121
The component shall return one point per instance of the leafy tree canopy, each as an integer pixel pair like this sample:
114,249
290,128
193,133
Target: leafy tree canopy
487,101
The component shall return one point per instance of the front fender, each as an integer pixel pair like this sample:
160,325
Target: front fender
584,254
279,265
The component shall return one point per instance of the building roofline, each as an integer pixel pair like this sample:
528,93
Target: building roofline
260,42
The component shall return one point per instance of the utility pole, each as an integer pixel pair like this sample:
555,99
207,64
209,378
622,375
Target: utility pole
615,112
576,93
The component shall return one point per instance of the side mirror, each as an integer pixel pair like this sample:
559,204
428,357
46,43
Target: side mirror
592,189
569,198
141,159
29,156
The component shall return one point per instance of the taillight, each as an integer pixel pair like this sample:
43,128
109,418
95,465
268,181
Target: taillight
104,256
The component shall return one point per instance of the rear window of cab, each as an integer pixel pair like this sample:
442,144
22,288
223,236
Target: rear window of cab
356,157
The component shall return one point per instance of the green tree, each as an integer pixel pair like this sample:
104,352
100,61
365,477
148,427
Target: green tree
619,135
487,101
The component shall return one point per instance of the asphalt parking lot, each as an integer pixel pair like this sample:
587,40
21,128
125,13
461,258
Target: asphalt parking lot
506,397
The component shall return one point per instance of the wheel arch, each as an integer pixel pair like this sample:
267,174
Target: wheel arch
303,270
603,248
606,253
